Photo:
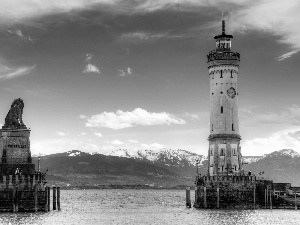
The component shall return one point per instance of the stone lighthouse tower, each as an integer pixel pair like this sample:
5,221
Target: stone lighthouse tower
224,152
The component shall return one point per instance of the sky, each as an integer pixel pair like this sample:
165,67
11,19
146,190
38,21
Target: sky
101,75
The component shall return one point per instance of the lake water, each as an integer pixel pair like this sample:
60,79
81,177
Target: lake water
143,207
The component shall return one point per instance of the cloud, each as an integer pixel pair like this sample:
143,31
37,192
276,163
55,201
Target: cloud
286,55
286,139
14,11
89,57
126,72
277,17
19,33
291,116
98,134
121,119
154,146
82,134
122,73
13,73
148,36
82,117
193,116
116,142
129,70
90,68
133,141
60,133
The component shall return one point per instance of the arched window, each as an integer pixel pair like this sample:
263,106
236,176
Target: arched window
221,109
221,74
231,74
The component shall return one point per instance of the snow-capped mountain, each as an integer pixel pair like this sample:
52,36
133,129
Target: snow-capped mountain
251,159
287,153
177,157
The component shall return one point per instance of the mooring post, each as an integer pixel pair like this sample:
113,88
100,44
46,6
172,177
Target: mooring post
196,197
188,197
265,198
295,201
14,199
218,197
54,198
270,199
35,198
254,197
17,200
48,200
205,202
58,198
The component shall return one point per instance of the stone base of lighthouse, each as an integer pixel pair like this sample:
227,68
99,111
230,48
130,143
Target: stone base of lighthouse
231,192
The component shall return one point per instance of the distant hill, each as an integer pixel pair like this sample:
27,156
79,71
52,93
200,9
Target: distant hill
280,166
164,167
79,168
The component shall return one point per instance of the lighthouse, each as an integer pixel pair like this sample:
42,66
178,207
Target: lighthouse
224,153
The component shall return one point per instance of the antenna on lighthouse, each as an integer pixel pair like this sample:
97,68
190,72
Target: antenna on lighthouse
223,26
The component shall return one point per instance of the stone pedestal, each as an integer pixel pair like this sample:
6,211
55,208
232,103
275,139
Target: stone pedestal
15,151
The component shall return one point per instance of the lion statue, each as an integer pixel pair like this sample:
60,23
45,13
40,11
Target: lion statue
14,116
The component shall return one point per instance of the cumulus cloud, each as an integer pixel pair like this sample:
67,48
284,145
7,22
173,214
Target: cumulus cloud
98,134
121,119
286,139
19,33
90,68
9,73
133,141
154,146
60,133
116,142
192,115
129,70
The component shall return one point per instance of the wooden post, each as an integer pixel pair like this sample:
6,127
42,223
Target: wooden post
14,199
265,198
35,198
188,197
58,198
17,200
270,199
295,201
54,198
196,197
46,199
48,195
218,197
254,197
205,202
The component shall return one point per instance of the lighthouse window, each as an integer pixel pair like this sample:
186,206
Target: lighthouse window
231,74
222,167
221,109
233,127
235,168
222,152
221,74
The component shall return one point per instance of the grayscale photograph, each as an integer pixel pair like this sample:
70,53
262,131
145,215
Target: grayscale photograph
149,112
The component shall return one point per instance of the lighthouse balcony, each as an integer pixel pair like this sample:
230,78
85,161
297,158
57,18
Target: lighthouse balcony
212,56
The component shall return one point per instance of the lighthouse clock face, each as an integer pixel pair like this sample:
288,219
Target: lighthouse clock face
231,92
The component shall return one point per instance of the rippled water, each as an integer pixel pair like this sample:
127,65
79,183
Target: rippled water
143,207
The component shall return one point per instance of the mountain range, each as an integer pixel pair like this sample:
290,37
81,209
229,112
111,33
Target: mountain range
164,167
